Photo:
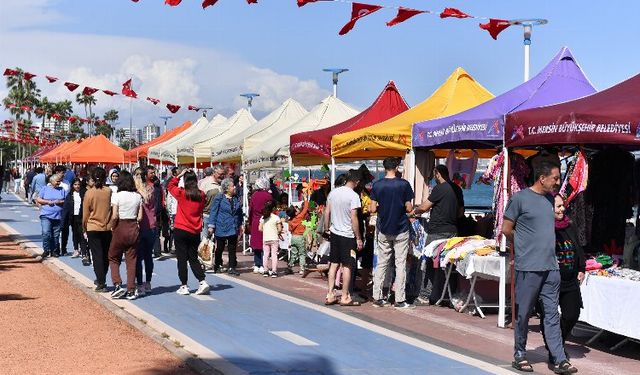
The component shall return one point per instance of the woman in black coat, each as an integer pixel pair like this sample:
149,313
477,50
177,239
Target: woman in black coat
72,215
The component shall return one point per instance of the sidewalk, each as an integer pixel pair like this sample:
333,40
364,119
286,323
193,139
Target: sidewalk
50,327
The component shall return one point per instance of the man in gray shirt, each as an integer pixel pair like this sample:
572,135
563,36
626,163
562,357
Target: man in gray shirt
529,225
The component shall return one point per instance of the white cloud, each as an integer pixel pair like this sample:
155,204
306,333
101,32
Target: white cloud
171,72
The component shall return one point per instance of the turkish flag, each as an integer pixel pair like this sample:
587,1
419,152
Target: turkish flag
109,92
302,3
208,3
193,108
25,108
358,11
173,108
495,27
28,76
56,116
252,1
127,91
153,100
10,72
173,3
453,12
403,15
51,79
71,86
89,91
11,106
72,119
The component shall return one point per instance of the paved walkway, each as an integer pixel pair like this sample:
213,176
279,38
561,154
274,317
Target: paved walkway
245,328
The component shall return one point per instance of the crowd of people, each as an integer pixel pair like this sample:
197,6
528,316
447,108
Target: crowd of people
139,216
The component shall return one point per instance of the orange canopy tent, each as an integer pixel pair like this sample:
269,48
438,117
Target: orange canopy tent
142,151
58,154
97,149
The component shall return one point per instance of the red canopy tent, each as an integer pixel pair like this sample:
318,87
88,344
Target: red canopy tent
314,147
611,116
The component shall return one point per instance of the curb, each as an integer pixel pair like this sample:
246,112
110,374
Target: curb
196,364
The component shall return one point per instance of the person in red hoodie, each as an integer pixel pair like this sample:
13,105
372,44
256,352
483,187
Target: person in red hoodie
187,228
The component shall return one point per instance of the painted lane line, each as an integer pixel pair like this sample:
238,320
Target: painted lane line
35,221
24,215
203,297
293,338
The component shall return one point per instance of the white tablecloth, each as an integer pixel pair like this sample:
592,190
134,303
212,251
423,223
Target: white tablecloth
485,267
612,304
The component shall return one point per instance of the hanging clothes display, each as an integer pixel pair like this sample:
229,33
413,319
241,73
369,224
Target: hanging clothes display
425,162
517,181
576,179
610,192
462,171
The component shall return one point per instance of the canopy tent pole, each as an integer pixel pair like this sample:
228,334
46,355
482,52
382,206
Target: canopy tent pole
503,240
290,179
333,172
195,159
245,209
410,174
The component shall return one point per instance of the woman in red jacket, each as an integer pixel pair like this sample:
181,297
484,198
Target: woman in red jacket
258,199
187,228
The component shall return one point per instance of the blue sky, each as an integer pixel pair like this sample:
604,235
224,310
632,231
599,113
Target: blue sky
190,56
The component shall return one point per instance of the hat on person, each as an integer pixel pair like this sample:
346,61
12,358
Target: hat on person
262,183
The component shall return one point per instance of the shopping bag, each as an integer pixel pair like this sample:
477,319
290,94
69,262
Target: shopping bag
206,250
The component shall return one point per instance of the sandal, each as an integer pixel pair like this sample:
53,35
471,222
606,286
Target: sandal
329,302
350,303
564,367
522,365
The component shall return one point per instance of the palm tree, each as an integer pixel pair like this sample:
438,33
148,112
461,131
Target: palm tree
87,101
22,93
64,109
121,134
111,116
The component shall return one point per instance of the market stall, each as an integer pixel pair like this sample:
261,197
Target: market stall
601,129
168,149
97,149
314,147
142,151
236,124
184,148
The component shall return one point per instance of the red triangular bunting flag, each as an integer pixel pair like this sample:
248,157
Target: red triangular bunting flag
25,108
208,3
51,79
11,106
495,27
193,108
252,1
302,3
173,108
10,72
89,91
109,92
28,76
453,12
71,86
173,3
153,100
56,116
403,15
358,11
72,119
127,91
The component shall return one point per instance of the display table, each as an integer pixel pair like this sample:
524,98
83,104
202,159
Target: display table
611,304
483,267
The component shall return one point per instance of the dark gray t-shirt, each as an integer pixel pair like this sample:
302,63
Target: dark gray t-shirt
534,231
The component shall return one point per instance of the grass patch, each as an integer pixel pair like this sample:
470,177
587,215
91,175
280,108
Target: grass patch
178,344
164,335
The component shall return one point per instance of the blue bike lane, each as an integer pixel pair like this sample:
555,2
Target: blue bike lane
259,331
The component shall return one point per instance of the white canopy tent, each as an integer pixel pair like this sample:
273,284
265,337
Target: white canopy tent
184,150
236,124
168,149
270,147
230,149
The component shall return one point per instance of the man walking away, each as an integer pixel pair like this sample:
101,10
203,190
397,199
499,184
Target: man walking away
446,204
341,217
529,224
39,181
391,198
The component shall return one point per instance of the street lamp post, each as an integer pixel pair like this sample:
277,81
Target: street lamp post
249,97
165,118
334,73
527,25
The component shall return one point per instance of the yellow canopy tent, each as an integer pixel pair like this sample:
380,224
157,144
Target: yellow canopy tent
393,136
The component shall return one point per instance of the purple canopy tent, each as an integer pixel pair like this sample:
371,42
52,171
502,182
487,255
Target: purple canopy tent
482,127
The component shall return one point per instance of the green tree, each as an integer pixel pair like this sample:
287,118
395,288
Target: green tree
87,101
111,116
22,92
64,109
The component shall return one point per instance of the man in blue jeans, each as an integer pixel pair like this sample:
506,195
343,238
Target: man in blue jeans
51,198
529,223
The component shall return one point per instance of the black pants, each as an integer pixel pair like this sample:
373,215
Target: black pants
79,243
570,302
187,250
64,236
99,243
231,242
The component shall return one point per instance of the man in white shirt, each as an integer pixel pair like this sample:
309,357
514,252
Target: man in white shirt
341,217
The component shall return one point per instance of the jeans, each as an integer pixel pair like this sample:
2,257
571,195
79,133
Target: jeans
144,253
50,234
187,251
531,286
257,258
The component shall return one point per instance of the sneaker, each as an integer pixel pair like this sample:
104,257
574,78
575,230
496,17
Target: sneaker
46,254
288,271
266,273
381,303
301,272
273,274
256,269
86,261
147,287
101,288
403,306
63,253
204,288
118,292
183,290
261,270
76,254
421,301
55,254
233,272
131,295
140,292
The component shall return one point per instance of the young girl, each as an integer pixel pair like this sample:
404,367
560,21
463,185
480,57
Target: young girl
72,211
271,227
